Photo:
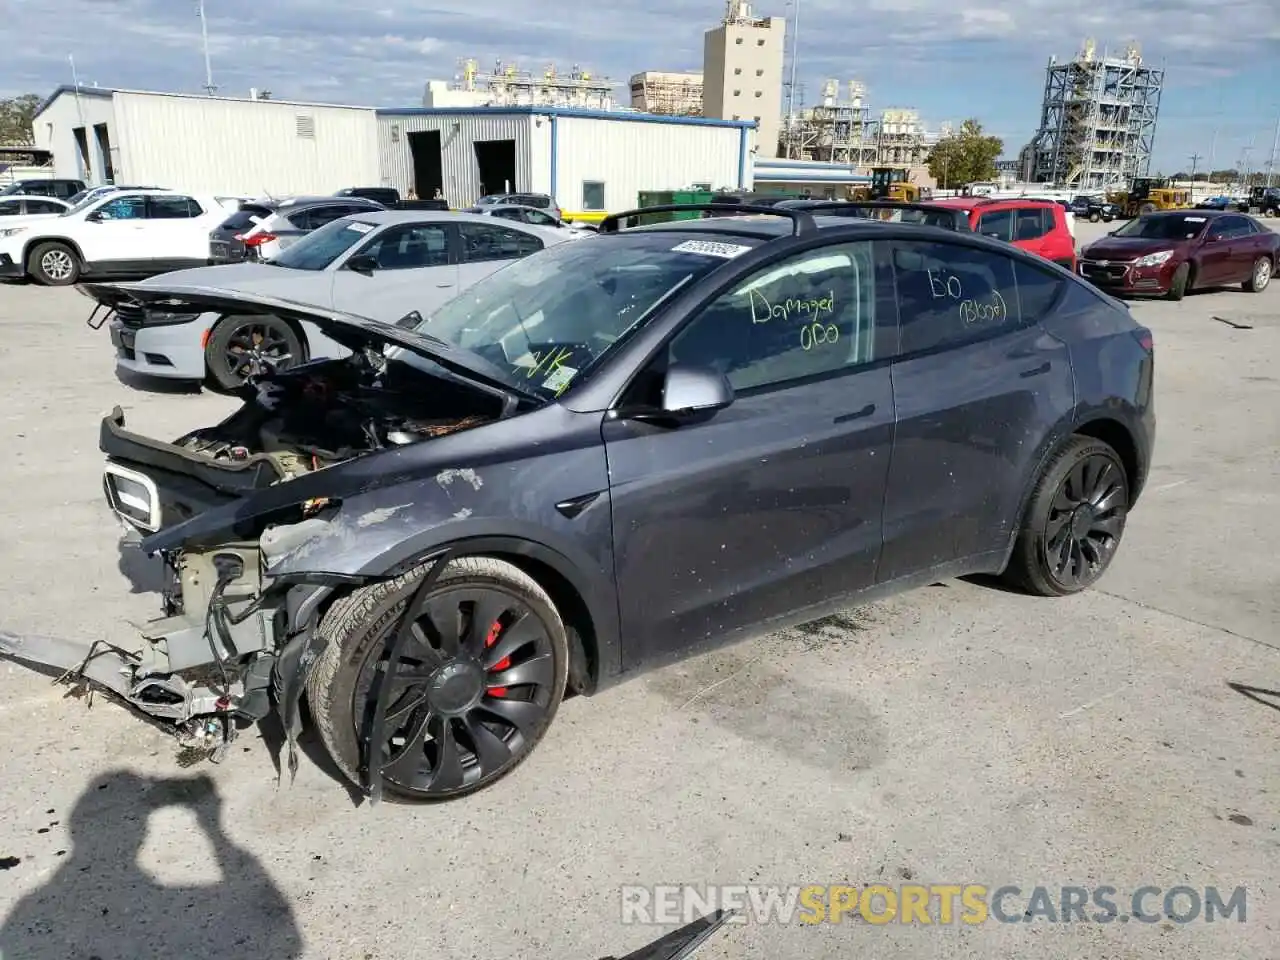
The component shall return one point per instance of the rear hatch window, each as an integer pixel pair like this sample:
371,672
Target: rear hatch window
242,219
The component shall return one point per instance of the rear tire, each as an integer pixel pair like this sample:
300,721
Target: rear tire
1178,287
534,662
1260,278
273,337
1095,217
54,265
1074,521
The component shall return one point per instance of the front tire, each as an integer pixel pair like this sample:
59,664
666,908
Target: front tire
1095,217
1074,521
475,689
1178,286
238,345
1260,276
54,265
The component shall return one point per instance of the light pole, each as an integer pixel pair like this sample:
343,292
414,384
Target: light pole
1275,146
1195,158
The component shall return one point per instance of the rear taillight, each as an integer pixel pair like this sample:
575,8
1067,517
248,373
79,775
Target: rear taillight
258,239
1145,339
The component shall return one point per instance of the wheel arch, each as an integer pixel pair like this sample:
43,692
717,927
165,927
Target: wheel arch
29,247
1110,431
594,654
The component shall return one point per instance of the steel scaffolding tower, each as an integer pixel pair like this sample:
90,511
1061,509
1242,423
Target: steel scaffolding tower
1098,120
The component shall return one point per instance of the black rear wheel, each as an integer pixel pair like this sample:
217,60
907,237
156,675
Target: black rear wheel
471,695
1074,522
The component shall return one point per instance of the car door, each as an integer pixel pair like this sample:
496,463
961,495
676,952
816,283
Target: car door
178,229
1245,245
413,270
773,505
113,234
485,247
1216,261
976,384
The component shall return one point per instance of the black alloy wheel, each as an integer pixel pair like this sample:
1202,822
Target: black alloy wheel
1074,520
472,693
242,346
1086,520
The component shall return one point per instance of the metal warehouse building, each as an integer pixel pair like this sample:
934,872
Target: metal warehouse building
587,160
214,144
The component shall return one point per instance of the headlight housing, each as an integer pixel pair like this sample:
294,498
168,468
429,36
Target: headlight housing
1153,259
10,231
165,318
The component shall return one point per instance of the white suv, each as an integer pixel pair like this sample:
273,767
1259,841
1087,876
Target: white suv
128,233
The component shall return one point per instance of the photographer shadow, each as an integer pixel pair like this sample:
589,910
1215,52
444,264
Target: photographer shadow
101,904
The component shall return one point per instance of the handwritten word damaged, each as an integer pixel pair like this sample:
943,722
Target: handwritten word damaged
812,308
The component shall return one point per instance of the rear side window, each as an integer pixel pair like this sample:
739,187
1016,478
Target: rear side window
533,200
998,225
44,206
172,208
950,294
483,242
10,208
314,217
1032,223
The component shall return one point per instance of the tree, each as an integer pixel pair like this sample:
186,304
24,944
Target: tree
967,156
16,116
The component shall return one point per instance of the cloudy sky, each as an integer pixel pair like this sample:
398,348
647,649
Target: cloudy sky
950,59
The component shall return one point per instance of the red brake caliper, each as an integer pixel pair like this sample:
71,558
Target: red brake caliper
502,664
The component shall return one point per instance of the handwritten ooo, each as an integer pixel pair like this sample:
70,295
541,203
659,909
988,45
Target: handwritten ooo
814,331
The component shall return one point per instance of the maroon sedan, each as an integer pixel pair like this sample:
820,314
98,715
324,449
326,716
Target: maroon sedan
1171,252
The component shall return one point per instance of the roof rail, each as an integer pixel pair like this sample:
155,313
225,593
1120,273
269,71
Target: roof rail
801,222
818,206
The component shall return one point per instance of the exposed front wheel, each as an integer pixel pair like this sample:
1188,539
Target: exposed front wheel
472,693
1074,522
1260,277
54,265
241,346
1178,286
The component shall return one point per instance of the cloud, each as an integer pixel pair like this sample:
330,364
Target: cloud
341,51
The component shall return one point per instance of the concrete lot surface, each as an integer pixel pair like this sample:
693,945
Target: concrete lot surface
956,734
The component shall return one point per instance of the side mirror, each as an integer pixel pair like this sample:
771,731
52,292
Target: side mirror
95,217
689,390
363,264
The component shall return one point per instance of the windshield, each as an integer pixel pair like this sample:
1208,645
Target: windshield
89,198
321,247
1174,227
546,319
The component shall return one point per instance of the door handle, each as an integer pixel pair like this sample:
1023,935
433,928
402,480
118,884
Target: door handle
866,411
1036,371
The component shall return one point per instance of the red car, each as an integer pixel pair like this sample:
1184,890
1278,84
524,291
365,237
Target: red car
1171,252
1037,226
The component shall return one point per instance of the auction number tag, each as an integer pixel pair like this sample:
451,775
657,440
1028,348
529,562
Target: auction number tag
360,227
559,379
711,248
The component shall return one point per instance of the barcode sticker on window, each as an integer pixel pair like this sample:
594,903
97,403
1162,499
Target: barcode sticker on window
711,248
360,227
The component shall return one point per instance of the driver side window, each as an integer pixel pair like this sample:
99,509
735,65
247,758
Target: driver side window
811,314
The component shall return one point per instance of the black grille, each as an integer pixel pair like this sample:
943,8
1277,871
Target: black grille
1111,273
130,314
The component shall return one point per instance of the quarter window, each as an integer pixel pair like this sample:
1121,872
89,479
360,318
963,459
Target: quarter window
1037,290
483,242
43,206
950,294
812,314
409,245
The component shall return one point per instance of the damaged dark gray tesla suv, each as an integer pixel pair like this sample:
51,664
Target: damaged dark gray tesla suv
607,456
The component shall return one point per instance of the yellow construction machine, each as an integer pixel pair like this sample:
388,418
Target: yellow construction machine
1149,194
888,183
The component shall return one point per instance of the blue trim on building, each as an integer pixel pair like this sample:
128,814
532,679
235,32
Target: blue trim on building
787,176
578,112
69,88
555,160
